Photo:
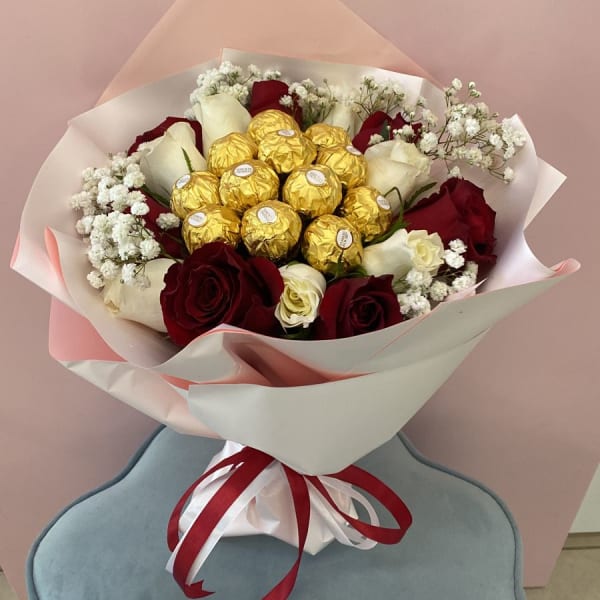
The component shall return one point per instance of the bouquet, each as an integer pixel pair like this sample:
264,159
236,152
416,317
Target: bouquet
294,260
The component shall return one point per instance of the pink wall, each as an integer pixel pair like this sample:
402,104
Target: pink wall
521,414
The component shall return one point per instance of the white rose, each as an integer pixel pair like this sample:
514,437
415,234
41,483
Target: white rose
219,115
141,305
392,257
404,251
163,160
302,295
342,115
427,249
396,163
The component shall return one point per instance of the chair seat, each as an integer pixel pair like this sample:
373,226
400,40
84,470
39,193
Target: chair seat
111,544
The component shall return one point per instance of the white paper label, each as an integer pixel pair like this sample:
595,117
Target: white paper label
344,239
315,177
286,132
244,170
267,215
354,150
183,181
198,219
384,202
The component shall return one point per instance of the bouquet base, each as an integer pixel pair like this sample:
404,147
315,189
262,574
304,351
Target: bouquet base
110,544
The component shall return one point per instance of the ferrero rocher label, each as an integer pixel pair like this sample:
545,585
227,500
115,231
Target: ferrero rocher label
230,150
194,190
324,135
211,224
313,191
286,149
271,229
248,183
331,244
368,211
346,162
268,121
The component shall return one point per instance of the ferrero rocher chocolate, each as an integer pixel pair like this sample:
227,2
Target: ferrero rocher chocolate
230,150
248,183
313,191
332,243
286,149
368,211
194,190
271,229
325,135
347,163
268,121
211,224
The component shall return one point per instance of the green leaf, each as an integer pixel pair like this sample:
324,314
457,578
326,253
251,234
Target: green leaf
160,199
300,333
415,195
188,162
398,224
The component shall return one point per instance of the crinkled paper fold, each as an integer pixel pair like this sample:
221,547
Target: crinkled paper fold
315,405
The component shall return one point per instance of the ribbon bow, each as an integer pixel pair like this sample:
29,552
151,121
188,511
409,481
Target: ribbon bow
245,467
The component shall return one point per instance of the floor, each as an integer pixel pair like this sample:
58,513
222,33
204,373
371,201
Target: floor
576,577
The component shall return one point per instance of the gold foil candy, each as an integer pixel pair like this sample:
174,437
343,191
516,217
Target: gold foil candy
211,224
193,191
268,121
313,191
331,244
347,163
286,149
230,150
368,211
324,135
271,229
248,183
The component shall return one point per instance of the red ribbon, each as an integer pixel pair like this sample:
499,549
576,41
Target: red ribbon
246,465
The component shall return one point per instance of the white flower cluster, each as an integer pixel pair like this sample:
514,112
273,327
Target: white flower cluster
316,101
230,79
119,244
420,289
371,96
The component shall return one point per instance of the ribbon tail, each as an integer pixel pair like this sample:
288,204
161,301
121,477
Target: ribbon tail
301,499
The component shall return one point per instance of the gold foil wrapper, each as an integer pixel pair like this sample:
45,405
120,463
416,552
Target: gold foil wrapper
326,136
193,191
313,191
246,184
286,149
211,224
271,229
269,121
368,211
230,150
331,244
348,163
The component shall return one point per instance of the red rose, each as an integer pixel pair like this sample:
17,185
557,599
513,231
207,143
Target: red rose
160,129
267,94
217,285
458,210
353,306
375,124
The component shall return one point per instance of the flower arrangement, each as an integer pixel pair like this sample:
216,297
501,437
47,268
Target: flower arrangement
274,256
285,227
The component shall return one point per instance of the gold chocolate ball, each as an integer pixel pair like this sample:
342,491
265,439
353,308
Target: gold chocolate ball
313,191
246,184
194,190
268,121
325,135
228,151
211,224
286,149
348,163
368,210
271,229
331,244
